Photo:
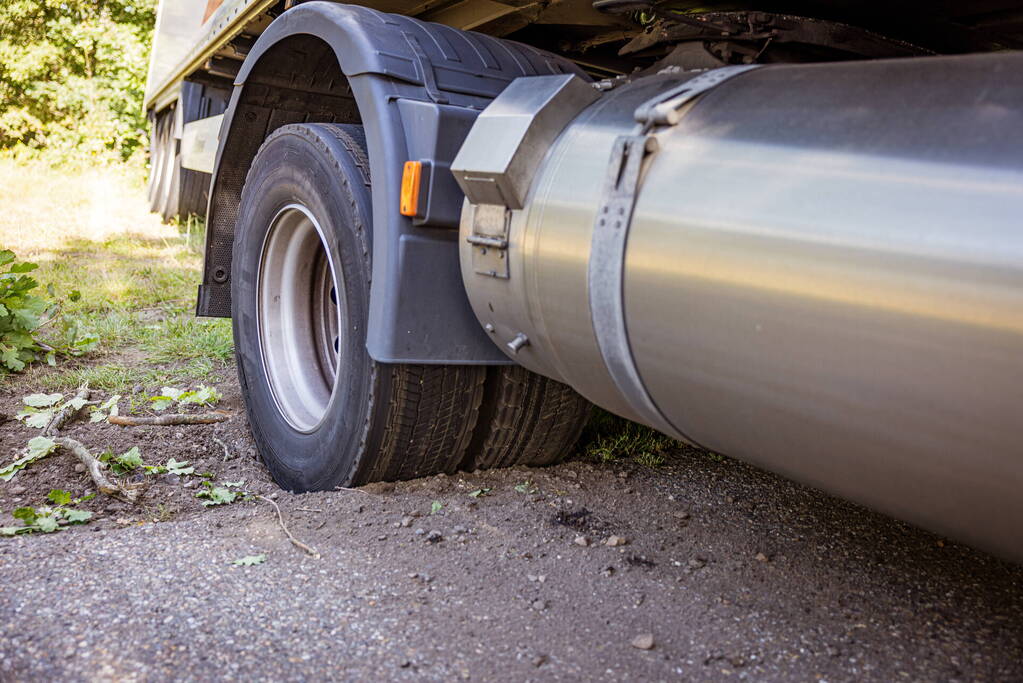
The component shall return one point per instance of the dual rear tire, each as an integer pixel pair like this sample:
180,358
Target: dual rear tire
322,412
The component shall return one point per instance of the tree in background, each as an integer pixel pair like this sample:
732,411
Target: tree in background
72,76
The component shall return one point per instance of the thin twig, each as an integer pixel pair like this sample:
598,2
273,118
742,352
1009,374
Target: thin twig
294,541
227,453
172,419
95,469
68,412
346,488
307,510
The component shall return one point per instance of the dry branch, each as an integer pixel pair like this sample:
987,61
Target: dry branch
68,412
95,469
172,419
294,541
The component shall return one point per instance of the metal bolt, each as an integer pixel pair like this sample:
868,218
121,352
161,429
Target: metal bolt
517,343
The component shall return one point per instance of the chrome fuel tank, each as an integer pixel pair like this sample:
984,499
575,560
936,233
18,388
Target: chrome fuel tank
822,274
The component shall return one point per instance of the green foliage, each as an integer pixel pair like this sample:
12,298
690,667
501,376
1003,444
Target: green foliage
124,463
172,466
38,447
479,493
211,494
249,560
203,396
72,75
609,437
23,315
436,506
48,519
40,408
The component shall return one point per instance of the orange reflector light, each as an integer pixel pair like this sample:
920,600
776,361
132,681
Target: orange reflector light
410,188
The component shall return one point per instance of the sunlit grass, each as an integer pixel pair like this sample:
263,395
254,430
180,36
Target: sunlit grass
91,231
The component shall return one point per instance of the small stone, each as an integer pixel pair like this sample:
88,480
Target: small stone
614,541
406,522
79,468
18,490
190,484
623,475
382,537
644,641
415,513
539,660
460,530
681,514
760,557
405,664
420,532
274,495
582,540
539,605
434,537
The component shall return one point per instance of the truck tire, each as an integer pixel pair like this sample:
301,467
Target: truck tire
526,419
322,412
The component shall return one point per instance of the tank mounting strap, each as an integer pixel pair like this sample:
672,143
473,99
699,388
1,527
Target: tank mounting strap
606,275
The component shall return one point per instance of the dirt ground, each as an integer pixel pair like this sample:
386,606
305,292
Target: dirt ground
725,571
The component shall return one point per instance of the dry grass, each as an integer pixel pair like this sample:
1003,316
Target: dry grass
91,230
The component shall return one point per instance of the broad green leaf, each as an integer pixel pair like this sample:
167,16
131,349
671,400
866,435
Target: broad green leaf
172,393
10,530
249,560
37,448
181,468
23,267
25,514
233,484
6,256
127,461
42,400
204,395
36,418
479,492
107,408
435,507
162,402
58,497
47,524
77,516
217,495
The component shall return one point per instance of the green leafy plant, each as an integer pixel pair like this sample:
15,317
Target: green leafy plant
124,463
172,466
525,487
105,409
38,447
212,494
23,315
169,396
479,493
436,506
40,408
48,519
249,560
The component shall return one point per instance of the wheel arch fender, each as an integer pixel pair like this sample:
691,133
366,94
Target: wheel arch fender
403,80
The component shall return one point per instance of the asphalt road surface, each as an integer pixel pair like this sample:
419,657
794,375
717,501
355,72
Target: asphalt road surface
717,571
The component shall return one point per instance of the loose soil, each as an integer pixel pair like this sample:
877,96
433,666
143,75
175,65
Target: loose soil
724,571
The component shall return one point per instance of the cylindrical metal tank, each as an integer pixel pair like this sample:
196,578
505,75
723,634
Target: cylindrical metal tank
823,275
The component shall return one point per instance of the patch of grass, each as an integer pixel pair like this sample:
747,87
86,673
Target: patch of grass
122,378
186,337
137,276
608,438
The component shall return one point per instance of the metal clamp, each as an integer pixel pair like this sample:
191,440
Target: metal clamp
606,275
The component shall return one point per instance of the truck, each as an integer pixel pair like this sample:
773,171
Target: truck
787,232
